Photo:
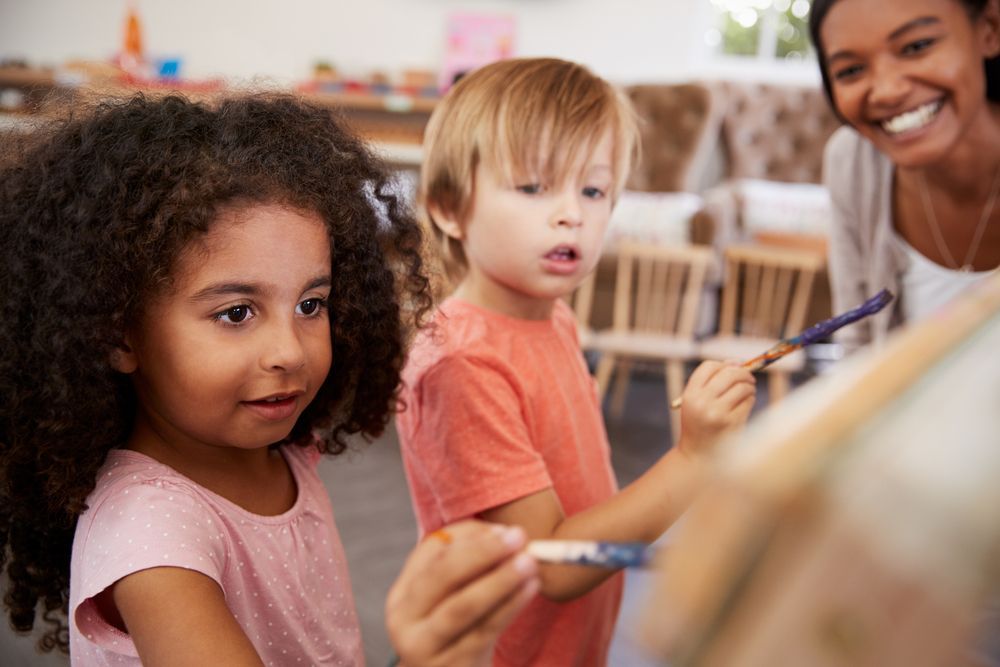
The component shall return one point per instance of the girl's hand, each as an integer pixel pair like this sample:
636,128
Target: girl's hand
458,590
716,400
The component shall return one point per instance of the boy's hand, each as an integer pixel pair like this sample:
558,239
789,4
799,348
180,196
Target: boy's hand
458,590
717,399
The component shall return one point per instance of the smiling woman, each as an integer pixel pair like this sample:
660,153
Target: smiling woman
915,177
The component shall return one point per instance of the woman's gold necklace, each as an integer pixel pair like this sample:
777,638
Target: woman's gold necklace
984,219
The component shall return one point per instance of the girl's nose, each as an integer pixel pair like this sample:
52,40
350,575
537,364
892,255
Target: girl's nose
283,349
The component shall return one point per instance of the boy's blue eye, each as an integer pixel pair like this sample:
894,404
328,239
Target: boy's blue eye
593,193
312,306
530,188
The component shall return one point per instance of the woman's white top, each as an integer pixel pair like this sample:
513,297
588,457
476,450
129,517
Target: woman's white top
928,285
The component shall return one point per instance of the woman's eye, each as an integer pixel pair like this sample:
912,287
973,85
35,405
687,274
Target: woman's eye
845,73
312,306
530,188
918,46
234,315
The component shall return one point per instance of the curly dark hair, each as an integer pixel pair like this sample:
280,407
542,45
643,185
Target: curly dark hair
94,210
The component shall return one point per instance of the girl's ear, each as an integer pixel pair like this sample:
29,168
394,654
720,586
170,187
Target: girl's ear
447,223
123,358
990,19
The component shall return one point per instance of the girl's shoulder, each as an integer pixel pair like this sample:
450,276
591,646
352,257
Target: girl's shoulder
129,478
126,472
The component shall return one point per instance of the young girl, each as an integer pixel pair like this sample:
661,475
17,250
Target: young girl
523,161
196,302
915,175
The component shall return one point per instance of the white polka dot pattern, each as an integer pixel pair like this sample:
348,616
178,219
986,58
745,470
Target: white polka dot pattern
285,577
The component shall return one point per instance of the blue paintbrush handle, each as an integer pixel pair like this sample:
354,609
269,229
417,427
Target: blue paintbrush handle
827,327
596,554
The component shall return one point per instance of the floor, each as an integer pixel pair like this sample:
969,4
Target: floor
377,526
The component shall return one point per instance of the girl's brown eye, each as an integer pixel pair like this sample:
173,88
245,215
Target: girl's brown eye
311,306
237,313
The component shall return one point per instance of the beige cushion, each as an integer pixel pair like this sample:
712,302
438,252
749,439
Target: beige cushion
638,344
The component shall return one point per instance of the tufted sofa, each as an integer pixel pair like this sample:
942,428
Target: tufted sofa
697,135
678,125
751,152
774,132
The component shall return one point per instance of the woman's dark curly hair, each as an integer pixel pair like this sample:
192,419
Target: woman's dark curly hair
94,211
820,8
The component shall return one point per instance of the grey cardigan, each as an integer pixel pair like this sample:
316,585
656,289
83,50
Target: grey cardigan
863,256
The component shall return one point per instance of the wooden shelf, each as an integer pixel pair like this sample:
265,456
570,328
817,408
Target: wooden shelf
392,102
394,120
20,77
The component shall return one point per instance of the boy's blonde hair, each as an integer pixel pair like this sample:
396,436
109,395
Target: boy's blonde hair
525,118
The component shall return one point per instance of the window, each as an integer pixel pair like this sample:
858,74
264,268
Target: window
765,29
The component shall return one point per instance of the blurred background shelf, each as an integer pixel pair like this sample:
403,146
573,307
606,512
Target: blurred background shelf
394,122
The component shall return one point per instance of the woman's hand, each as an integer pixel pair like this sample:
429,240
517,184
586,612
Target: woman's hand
458,590
716,400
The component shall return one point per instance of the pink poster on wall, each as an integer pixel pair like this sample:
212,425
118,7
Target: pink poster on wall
475,40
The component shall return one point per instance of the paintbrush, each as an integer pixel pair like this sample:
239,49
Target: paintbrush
612,555
812,334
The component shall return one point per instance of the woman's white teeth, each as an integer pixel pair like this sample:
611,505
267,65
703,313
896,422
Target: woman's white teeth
911,120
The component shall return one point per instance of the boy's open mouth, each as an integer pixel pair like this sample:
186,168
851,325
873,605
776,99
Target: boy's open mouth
563,254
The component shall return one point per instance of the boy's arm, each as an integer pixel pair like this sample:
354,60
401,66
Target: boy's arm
639,512
717,399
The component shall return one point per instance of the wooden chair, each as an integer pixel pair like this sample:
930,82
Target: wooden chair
658,293
765,297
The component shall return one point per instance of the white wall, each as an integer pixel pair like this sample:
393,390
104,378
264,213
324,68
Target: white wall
623,40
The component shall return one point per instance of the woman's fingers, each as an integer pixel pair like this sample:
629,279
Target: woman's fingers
457,591
469,621
436,567
475,646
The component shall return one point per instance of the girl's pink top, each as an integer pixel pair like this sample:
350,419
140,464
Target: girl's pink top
284,577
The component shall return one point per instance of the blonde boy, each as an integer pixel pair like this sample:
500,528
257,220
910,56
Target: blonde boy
524,160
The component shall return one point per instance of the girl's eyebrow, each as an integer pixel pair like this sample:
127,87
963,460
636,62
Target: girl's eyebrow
249,289
895,34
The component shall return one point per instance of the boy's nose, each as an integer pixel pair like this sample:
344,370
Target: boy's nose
283,349
569,212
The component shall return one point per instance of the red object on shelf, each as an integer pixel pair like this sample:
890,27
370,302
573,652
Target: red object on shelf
131,59
192,85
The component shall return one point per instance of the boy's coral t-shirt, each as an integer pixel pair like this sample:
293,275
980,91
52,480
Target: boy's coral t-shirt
498,408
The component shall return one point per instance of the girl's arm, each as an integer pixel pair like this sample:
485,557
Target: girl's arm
178,617
718,398
457,591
